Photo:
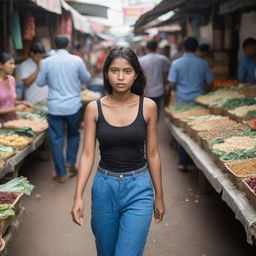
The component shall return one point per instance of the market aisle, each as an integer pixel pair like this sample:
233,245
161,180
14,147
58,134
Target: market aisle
194,225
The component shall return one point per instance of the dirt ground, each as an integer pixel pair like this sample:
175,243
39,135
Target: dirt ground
194,225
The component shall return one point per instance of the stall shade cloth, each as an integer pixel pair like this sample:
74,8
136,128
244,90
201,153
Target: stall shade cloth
16,30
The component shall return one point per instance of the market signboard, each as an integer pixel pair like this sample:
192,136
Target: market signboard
132,14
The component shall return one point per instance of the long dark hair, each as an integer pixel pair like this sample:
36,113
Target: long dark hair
127,53
4,57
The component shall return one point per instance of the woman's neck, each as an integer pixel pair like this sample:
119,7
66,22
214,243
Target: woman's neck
3,75
122,97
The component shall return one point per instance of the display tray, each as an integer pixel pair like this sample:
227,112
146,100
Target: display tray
249,193
216,110
7,156
6,221
237,179
237,118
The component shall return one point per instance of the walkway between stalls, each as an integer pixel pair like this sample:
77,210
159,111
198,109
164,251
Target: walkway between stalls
194,224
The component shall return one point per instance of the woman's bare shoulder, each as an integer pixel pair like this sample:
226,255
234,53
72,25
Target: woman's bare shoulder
149,104
92,109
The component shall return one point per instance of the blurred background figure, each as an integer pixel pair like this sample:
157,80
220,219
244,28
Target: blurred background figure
29,70
247,64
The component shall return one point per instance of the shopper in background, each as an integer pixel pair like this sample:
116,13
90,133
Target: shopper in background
247,64
156,68
63,73
122,192
8,103
188,74
29,70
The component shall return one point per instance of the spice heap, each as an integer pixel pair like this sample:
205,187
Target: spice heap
14,140
247,167
211,124
236,142
220,132
192,112
244,111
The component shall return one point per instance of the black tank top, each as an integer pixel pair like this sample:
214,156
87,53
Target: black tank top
121,148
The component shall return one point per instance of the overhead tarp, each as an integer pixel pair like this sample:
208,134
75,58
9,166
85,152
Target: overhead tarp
90,9
162,8
234,5
80,22
49,5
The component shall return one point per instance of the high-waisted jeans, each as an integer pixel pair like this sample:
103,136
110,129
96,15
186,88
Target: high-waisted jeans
122,209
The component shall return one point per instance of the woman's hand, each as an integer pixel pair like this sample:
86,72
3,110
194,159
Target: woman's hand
78,211
20,107
27,104
159,210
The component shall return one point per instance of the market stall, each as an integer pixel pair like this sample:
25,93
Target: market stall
223,146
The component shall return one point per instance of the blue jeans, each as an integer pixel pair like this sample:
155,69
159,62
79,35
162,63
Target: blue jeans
121,213
57,135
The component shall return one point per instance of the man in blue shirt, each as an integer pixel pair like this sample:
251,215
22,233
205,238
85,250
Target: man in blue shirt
189,74
63,73
247,64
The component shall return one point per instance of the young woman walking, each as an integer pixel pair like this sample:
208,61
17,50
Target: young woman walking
123,199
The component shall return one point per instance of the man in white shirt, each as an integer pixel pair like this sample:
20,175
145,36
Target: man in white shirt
156,68
29,70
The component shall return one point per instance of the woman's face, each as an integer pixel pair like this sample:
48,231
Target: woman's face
121,75
8,67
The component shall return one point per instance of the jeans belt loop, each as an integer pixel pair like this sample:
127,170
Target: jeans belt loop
105,174
133,175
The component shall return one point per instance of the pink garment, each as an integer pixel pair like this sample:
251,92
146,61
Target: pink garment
7,98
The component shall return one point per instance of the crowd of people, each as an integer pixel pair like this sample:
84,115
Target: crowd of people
127,187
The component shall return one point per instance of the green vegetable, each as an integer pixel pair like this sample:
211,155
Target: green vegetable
6,210
5,149
251,113
22,131
238,154
19,184
183,107
239,102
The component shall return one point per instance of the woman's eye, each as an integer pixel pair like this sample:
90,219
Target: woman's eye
114,70
128,71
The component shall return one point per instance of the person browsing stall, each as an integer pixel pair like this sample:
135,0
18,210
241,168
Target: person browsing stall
63,73
247,64
188,74
122,193
29,70
8,103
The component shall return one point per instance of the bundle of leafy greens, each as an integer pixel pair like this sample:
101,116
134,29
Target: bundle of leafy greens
19,184
239,102
22,131
251,113
183,107
238,154
6,210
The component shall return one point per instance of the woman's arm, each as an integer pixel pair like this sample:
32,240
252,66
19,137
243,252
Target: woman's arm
153,157
86,161
7,110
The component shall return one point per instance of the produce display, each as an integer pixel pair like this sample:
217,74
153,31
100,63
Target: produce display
14,140
252,124
238,102
211,124
228,83
244,111
236,143
238,154
222,132
36,126
6,152
182,108
88,96
252,183
192,112
7,197
247,167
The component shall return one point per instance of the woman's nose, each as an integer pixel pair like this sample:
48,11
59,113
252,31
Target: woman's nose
120,76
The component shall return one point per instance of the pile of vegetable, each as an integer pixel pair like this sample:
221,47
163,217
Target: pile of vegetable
238,102
238,154
7,194
22,131
182,107
6,151
252,124
247,167
252,183
244,111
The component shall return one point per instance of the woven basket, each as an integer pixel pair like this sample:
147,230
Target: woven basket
250,193
237,179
